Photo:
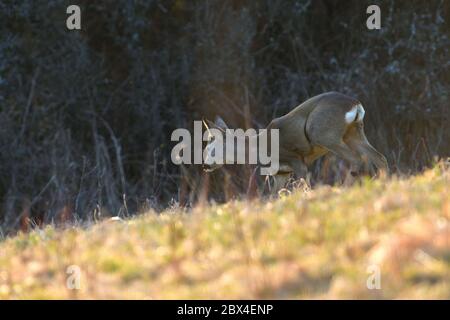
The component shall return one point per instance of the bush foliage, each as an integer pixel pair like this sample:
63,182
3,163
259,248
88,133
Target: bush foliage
86,116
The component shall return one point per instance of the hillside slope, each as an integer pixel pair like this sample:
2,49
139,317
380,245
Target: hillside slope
325,243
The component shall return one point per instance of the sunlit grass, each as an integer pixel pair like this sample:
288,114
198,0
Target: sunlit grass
317,244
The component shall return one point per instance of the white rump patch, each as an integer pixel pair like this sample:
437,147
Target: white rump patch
355,114
361,112
350,116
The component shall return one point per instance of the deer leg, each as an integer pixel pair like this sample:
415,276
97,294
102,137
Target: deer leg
342,150
358,141
279,181
375,157
299,168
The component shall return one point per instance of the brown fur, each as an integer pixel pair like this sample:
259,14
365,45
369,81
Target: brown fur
317,127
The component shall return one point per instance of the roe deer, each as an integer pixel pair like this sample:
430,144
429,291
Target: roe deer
329,122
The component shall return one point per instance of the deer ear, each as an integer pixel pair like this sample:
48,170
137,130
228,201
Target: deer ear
208,124
219,123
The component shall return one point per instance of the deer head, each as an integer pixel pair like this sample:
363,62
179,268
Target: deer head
215,148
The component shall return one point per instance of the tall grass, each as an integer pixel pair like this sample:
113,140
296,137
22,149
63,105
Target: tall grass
322,243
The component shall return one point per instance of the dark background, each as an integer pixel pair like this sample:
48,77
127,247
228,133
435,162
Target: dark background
86,116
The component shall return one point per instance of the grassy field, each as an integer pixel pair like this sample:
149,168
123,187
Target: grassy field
324,243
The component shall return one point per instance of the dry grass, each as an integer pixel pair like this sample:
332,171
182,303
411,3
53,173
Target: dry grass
317,244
